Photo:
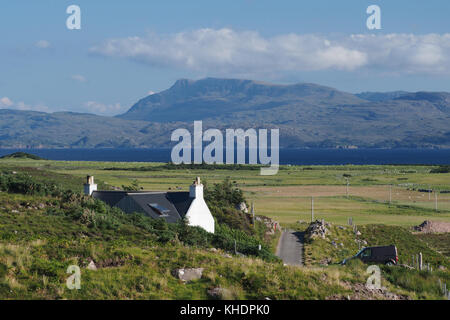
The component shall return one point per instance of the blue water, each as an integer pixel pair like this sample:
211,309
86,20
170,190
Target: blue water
287,156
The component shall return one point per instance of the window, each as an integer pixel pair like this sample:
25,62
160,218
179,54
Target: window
159,209
366,253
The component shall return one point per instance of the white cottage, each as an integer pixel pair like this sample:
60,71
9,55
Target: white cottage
171,206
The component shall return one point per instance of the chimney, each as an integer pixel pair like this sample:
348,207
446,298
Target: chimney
196,189
89,186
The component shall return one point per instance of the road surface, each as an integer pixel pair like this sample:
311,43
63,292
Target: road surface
290,247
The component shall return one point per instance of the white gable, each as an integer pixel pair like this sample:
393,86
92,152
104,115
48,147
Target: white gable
198,213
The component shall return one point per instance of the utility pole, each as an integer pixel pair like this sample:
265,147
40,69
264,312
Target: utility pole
312,209
347,187
390,194
253,214
436,200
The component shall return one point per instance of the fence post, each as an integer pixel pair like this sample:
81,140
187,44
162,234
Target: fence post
420,261
390,194
436,200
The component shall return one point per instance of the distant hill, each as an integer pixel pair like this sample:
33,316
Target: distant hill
21,155
381,96
308,115
221,98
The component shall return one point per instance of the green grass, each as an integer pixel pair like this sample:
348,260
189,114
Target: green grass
38,242
439,242
364,206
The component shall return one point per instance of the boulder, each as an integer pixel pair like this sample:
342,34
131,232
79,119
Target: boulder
242,207
91,266
317,229
219,293
187,275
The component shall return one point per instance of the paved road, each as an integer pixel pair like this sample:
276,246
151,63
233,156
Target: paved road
290,247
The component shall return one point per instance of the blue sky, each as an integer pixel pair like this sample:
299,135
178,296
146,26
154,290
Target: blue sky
126,49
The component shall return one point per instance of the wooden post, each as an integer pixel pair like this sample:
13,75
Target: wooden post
435,200
235,247
347,188
420,261
253,214
390,194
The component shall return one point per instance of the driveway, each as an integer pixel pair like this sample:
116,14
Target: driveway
290,247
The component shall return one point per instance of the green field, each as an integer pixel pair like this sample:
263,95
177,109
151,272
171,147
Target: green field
44,228
286,196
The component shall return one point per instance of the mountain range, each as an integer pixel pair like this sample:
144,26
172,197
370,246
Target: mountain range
308,115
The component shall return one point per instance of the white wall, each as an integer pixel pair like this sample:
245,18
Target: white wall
200,216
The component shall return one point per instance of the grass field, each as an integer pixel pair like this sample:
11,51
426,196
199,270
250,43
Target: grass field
41,235
286,196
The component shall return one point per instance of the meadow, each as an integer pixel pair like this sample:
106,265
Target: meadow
380,194
45,228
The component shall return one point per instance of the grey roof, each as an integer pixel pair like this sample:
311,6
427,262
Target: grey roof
171,206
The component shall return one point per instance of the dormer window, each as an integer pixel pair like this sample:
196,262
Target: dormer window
159,209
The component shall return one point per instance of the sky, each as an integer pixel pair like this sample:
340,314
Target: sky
126,50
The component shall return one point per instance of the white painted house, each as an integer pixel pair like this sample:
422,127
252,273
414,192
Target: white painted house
171,206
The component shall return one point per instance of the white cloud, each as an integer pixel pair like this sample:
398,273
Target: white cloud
42,44
225,51
79,78
104,109
7,103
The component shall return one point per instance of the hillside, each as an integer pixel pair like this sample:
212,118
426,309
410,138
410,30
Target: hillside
47,228
308,115
186,100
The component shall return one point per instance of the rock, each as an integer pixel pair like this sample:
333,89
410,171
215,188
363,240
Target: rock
317,229
242,207
358,233
190,274
91,266
433,227
442,268
219,293
213,250
15,211
41,206
341,227
226,255
325,262
334,244
341,244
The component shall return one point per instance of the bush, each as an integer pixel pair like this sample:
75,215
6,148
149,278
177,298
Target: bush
25,184
441,169
222,199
